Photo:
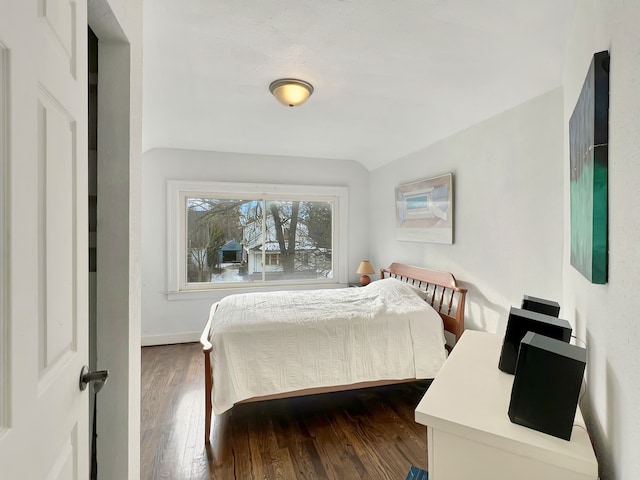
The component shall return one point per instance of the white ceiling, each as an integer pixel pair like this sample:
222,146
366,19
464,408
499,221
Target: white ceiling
390,76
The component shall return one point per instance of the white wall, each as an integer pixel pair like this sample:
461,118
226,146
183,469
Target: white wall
508,176
607,315
167,321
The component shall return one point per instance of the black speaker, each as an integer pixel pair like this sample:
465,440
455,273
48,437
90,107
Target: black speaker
547,385
541,305
522,321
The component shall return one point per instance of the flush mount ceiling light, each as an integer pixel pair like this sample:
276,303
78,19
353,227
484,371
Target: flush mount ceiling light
291,92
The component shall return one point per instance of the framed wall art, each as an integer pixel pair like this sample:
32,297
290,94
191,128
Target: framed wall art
424,210
588,146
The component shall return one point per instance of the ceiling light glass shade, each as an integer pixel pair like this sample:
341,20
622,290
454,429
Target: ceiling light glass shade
291,92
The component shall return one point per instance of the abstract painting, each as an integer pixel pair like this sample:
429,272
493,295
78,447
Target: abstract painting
588,145
424,210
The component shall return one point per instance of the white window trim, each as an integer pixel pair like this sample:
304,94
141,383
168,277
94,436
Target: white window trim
178,190
5,344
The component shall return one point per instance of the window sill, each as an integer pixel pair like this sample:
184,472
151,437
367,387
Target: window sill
218,293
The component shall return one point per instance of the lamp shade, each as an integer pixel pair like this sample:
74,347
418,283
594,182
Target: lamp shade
290,91
365,268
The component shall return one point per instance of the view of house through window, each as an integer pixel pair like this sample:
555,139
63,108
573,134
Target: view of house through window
236,240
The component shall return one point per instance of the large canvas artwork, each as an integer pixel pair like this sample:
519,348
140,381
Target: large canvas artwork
588,138
424,210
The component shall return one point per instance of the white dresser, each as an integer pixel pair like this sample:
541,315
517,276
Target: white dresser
470,436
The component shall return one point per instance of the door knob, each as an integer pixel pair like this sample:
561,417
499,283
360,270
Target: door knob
98,377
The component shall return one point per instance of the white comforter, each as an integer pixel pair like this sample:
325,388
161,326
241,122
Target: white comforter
276,342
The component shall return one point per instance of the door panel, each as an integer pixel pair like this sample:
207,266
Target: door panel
44,340
65,465
60,18
57,266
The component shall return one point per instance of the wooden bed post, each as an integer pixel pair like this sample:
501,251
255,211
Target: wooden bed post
207,400
460,313
207,347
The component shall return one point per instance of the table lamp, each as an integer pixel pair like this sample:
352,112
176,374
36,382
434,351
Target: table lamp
364,269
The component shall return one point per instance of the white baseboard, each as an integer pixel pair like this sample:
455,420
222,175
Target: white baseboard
189,337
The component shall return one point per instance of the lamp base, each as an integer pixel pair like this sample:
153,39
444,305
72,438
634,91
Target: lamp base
365,280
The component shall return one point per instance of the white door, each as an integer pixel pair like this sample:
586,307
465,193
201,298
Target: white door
44,431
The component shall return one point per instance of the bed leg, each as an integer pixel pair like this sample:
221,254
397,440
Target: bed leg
207,398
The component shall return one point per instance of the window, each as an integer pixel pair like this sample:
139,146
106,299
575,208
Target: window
225,235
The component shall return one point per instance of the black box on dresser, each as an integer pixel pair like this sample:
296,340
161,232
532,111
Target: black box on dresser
547,384
522,321
541,305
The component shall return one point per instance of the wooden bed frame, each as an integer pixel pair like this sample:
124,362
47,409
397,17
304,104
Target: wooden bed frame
442,293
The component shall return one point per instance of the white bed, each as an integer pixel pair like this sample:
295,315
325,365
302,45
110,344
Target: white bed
273,344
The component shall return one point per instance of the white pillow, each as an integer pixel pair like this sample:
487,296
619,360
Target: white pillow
421,293
408,286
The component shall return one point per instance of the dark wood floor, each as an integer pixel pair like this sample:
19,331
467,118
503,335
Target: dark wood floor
348,435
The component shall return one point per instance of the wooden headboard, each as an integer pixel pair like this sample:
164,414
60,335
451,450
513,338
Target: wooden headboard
443,293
